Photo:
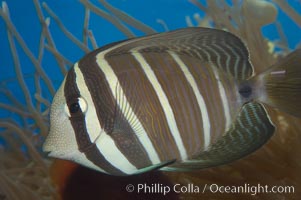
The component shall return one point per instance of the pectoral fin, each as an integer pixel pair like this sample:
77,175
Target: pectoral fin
155,167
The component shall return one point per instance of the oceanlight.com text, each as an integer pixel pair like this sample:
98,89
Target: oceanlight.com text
158,188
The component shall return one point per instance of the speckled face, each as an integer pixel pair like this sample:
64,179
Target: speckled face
60,142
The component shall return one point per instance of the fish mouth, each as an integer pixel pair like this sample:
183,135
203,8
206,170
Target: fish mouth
45,148
48,153
54,154
48,150
60,154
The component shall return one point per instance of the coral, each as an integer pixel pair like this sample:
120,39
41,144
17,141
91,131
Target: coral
26,172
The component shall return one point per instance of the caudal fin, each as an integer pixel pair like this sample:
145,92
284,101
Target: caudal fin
280,86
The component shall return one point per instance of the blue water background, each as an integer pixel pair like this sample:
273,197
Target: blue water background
71,13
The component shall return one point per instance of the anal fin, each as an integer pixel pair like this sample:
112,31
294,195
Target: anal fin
251,129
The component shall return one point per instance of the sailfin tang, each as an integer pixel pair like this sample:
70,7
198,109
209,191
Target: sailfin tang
249,132
282,84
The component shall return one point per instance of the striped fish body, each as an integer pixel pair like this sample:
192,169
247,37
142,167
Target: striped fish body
174,101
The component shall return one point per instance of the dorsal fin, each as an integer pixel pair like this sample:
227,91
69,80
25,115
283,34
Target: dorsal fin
221,48
249,132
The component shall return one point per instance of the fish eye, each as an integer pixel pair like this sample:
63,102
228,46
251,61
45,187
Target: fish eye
74,108
79,105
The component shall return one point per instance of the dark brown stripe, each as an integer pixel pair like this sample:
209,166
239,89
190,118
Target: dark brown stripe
208,87
100,92
127,142
145,104
181,98
77,120
110,116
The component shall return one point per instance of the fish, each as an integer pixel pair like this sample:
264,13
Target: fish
182,100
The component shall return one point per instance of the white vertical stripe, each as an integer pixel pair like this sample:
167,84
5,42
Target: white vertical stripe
104,143
112,154
82,159
113,83
92,124
199,97
224,99
164,102
221,87
91,120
